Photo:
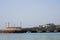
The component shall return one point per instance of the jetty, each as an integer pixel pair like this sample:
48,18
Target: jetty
48,28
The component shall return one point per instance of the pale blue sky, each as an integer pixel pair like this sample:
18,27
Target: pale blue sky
29,12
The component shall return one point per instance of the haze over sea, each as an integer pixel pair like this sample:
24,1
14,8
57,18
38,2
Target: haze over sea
30,36
29,12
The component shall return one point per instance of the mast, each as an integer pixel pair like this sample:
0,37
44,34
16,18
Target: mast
20,23
8,24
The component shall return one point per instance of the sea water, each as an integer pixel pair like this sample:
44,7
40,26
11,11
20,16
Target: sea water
29,36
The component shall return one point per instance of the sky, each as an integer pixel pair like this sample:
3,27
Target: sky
29,13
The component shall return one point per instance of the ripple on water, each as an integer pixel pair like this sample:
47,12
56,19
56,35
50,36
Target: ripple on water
30,36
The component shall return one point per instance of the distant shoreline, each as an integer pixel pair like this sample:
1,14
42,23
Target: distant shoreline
48,28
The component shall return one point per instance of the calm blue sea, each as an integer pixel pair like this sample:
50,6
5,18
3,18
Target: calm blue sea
30,36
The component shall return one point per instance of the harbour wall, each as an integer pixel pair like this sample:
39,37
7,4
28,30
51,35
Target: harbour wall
31,30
